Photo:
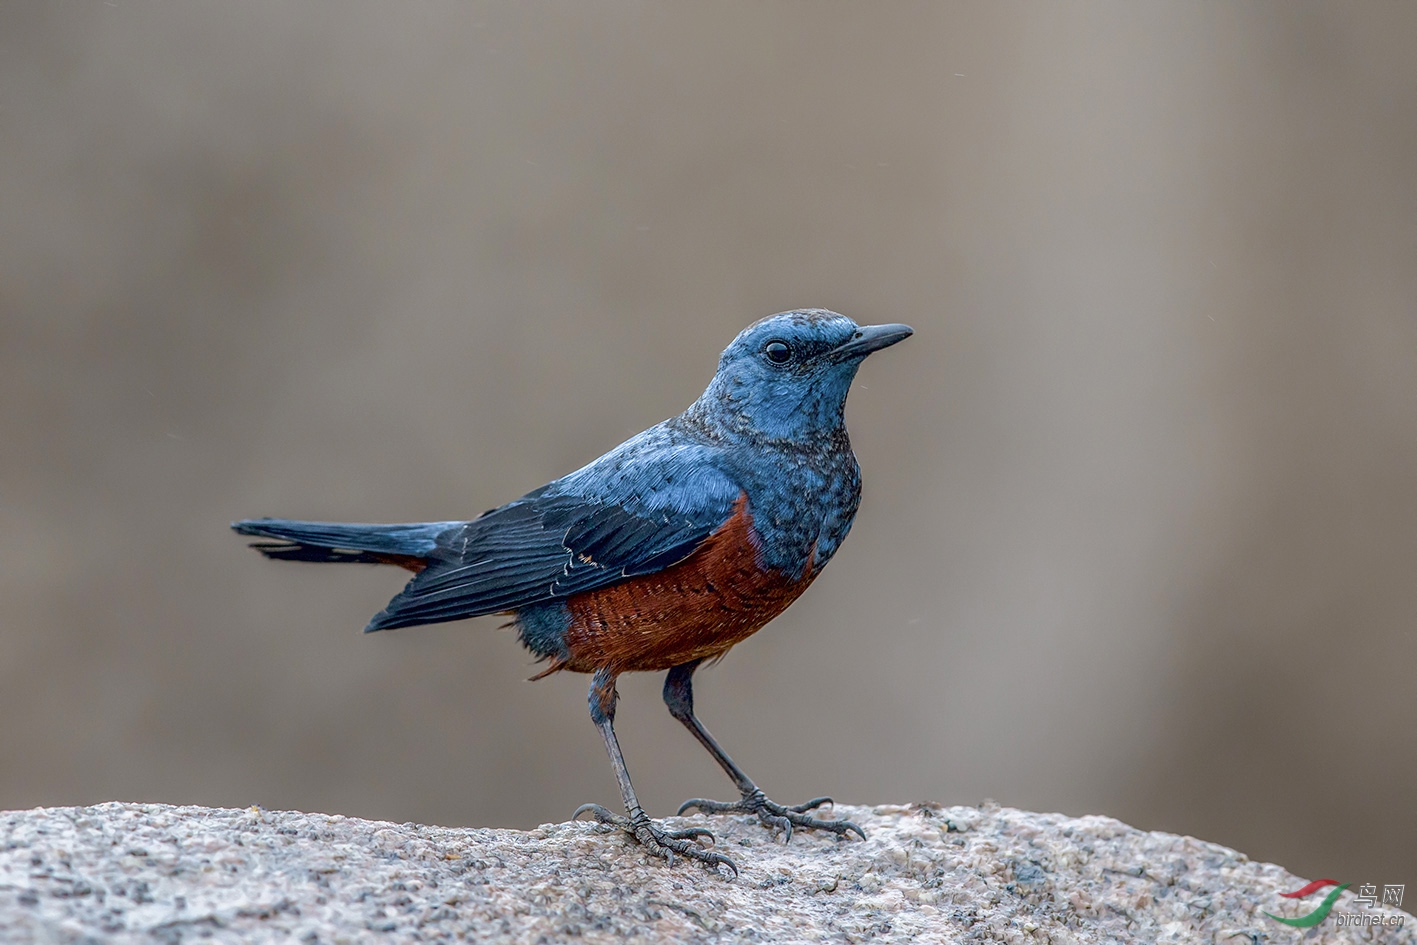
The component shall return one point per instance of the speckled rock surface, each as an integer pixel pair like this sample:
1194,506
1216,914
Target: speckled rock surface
153,873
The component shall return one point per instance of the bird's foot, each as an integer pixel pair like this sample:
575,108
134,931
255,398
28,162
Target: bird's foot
776,815
665,844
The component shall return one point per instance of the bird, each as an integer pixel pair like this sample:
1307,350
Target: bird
660,555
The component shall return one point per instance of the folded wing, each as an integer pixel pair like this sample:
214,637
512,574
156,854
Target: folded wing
578,534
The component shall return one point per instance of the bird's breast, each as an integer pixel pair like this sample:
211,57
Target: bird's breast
804,502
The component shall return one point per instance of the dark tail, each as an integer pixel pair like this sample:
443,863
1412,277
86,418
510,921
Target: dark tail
408,546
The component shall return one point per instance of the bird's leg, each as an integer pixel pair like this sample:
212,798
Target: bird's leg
679,696
658,841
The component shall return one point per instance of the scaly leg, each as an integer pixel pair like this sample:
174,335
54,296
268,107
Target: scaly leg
658,841
679,696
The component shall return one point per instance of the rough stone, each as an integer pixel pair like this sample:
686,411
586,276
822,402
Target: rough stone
152,873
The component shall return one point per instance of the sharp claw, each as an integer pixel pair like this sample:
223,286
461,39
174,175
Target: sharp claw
848,825
691,804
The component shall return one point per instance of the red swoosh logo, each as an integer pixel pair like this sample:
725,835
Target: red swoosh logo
1315,886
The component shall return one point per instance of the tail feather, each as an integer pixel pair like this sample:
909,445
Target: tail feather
408,546
289,551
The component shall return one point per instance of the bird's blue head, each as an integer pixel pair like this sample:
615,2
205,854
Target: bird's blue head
786,376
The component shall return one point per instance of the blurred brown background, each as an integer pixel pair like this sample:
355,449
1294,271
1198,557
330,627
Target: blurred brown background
1140,526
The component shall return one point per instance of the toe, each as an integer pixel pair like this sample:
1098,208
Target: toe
707,806
693,833
601,814
776,820
813,804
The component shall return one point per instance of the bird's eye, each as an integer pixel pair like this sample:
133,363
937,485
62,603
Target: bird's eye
778,352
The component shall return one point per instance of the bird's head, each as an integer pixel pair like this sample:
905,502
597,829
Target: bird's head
786,376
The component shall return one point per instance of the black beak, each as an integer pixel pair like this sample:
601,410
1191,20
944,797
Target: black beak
870,338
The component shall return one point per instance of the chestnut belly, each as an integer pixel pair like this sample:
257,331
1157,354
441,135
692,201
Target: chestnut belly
662,620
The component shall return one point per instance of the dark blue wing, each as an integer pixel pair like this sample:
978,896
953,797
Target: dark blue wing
637,510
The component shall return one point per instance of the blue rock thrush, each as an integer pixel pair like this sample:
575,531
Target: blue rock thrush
662,553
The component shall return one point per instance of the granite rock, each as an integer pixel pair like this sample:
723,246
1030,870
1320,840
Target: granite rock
153,873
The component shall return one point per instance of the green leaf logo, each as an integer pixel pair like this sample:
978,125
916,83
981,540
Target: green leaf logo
1319,914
